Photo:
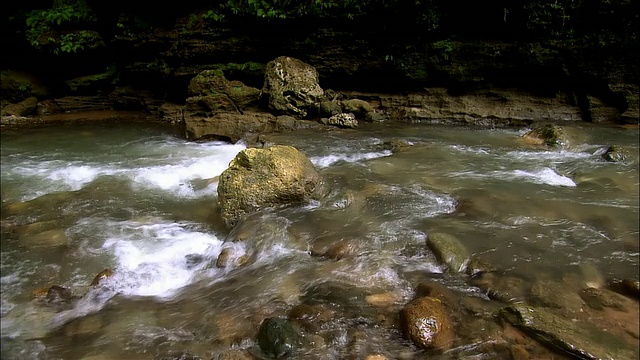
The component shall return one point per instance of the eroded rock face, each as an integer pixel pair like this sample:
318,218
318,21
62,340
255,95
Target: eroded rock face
213,82
425,322
259,178
230,127
291,87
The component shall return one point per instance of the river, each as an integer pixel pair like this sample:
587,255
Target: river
141,200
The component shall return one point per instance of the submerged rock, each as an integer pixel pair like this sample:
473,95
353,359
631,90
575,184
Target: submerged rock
614,154
425,322
581,340
277,337
626,287
448,250
291,87
598,299
556,295
259,178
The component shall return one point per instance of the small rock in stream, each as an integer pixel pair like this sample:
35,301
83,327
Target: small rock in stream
448,250
277,337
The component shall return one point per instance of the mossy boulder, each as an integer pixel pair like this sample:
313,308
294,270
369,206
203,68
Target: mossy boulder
448,250
548,134
358,107
425,322
291,87
260,178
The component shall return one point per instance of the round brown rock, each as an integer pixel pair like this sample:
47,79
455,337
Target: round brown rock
425,322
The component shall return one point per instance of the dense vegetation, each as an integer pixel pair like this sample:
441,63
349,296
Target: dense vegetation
600,37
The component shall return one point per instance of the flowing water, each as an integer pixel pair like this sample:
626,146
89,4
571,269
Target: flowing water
141,200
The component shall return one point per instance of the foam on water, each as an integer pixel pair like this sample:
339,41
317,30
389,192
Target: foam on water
328,160
165,168
545,176
562,155
152,259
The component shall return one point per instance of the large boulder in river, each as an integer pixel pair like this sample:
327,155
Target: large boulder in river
425,321
259,178
291,87
548,134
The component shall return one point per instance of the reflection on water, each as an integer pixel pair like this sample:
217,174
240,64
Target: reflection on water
143,202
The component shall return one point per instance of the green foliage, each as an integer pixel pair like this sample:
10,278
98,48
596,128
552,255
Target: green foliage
56,29
444,48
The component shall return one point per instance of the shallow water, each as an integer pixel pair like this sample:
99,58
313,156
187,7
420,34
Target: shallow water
142,201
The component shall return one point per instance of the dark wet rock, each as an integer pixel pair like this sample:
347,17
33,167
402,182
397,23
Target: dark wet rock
625,287
396,145
548,134
291,87
501,288
178,355
343,120
102,275
579,339
598,299
335,293
448,250
277,337
330,108
48,106
556,295
375,116
259,178
425,322
26,107
58,294
357,107
478,266
230,127
614,154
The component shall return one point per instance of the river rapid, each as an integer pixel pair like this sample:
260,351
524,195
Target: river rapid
141,200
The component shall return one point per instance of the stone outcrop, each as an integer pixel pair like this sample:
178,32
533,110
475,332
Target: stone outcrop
581,340
230,127
259,178
291,87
